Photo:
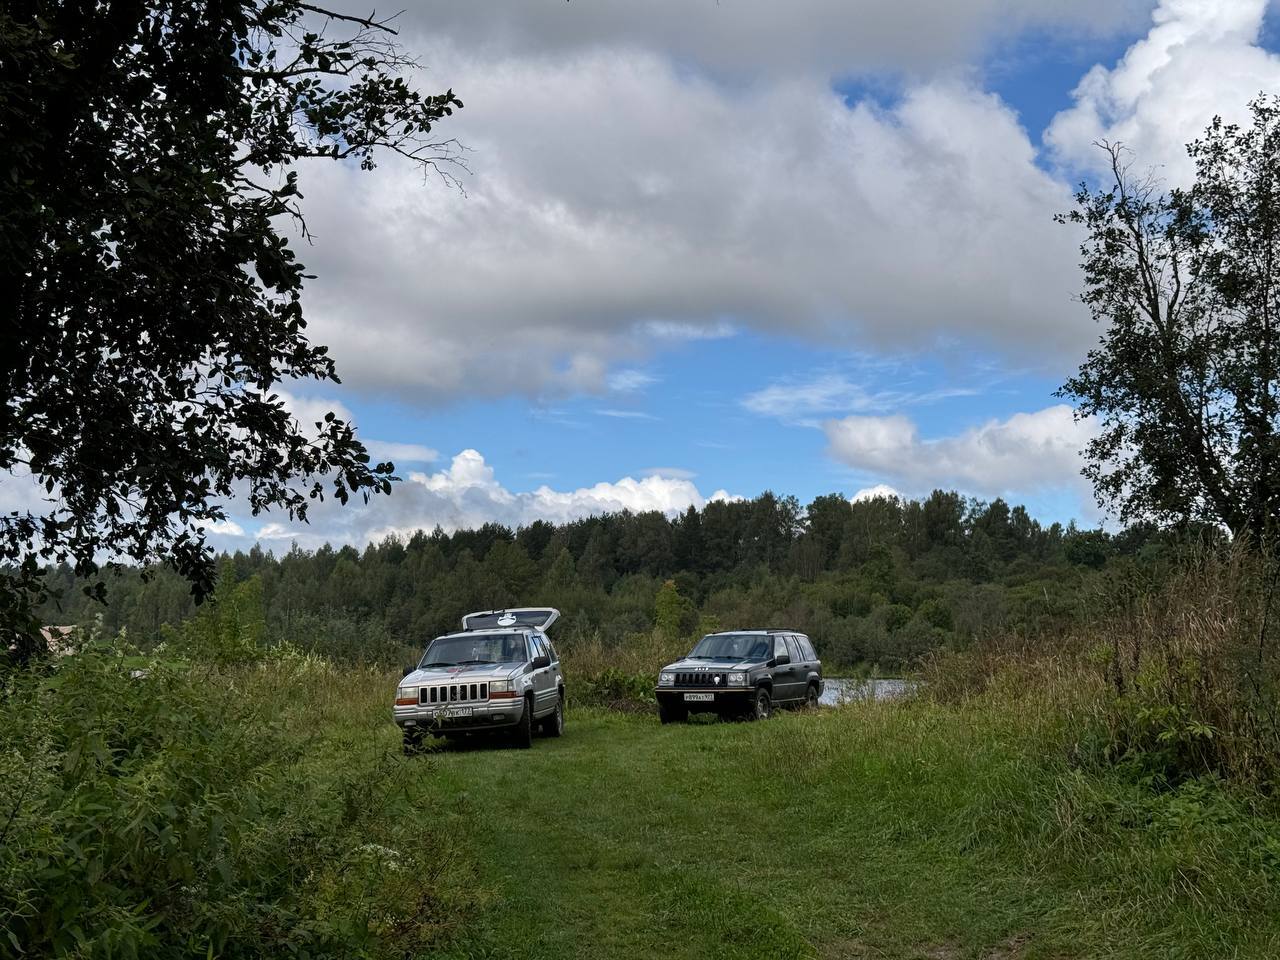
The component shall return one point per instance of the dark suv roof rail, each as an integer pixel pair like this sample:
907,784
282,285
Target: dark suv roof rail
763,630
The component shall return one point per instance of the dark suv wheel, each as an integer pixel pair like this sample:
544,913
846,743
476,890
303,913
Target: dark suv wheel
762,705
811,697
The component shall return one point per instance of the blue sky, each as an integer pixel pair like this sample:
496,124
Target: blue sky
688,414
714,251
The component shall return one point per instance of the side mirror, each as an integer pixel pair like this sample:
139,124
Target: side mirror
408,670
771,662
781,659
541,662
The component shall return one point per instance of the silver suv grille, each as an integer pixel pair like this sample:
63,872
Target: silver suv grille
454,693
701,678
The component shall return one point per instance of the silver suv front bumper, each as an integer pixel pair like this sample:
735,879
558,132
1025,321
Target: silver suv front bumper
488,715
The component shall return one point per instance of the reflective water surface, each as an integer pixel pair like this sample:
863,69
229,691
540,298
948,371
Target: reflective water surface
839,690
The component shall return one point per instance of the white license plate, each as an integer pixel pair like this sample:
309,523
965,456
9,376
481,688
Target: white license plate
448,713
700,697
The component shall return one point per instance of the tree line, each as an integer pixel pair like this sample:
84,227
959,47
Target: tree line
880,581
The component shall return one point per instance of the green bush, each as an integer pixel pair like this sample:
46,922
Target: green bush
161,811
615,688
227,630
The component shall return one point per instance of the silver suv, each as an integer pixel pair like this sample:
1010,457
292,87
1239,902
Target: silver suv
500,673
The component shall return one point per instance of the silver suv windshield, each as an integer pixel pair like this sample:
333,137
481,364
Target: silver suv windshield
485,648
733,646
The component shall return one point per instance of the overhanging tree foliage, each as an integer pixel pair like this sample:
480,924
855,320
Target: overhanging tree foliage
1184,381
151,298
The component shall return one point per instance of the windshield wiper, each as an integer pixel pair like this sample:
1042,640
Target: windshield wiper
461,662
438,663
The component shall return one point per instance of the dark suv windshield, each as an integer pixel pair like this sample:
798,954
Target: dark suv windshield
736,646
484,648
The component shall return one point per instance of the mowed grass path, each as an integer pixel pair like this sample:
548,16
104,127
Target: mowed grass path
871,831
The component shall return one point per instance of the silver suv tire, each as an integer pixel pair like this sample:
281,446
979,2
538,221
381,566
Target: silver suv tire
523,732
553,725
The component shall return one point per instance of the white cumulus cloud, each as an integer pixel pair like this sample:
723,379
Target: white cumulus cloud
468,494
1200,58
881,491
1026,452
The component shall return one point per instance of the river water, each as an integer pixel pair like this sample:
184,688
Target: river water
838,690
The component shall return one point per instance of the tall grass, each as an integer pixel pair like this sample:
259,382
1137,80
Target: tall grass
1194,672
166,810
1174,677
990,788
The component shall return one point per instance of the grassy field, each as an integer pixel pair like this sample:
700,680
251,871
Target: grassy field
266,810
876,830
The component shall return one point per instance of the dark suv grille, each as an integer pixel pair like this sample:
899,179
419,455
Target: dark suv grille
700,678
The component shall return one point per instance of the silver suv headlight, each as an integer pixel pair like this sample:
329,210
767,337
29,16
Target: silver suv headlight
503,690
736,679
666,679
406,696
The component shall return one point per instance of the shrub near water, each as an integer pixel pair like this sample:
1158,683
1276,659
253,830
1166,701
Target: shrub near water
1177,677
1195,675
173,814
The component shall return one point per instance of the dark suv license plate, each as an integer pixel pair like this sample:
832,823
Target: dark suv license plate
699,697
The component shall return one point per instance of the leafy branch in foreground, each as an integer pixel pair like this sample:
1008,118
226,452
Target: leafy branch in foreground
153,304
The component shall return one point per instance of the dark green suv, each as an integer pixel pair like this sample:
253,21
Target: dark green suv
741,673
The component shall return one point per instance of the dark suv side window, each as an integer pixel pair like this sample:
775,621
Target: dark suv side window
780,646
807,648
793,648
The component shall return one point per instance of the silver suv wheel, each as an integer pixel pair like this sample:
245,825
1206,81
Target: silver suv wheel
553,725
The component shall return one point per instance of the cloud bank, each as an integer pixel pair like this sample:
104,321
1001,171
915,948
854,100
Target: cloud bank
643,199
753,38
468,494
1026,452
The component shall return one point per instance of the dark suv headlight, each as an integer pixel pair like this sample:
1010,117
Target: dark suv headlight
666,679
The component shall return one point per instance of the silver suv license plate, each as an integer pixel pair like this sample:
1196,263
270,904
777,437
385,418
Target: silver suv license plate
700,696
450,712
